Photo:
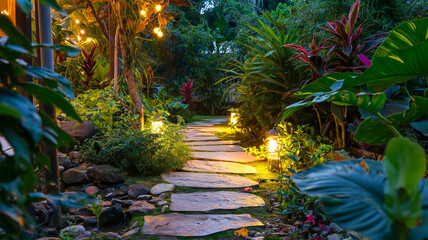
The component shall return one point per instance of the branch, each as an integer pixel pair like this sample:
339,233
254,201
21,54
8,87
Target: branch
103,27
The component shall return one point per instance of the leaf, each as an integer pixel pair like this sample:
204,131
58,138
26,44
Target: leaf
350,195
405,165
50,97
70,51
421,126
323,84
15,36
400,57
373,132
29,119
25,5
54,5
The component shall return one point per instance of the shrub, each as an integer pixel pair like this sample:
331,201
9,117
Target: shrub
139,152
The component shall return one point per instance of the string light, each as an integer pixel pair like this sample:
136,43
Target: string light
143,12
156,30
82,31
160,33
79,38
88,40
77,21
4,12
158,8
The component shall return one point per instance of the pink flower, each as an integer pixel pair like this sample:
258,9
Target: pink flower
310,219
247,189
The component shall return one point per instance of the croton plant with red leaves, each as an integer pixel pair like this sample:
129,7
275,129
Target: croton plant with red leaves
346,47
187,92
89,64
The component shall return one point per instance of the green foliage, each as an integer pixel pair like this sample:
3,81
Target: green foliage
395,61
96,209
140,152
390,194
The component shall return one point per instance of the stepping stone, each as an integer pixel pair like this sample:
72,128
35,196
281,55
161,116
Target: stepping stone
161,188
210,143
176,224
240,157
198,138
207,180
218,148
207,201
191,135
219,167
204,129
207,124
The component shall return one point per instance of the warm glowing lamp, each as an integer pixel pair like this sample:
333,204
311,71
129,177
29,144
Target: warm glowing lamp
158,8
157,126
143,12
273,148
233,118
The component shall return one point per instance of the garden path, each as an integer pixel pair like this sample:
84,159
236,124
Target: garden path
210,173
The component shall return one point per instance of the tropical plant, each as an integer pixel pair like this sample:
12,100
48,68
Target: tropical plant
187,92
27,129
382,200
89,65
96,209
397,60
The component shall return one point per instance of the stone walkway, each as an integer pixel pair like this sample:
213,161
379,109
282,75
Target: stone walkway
214,159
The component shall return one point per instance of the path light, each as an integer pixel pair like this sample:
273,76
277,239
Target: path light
158,8
157,125
233,118
273,148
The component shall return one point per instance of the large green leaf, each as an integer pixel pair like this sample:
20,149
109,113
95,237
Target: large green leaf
50,97
352,196
15,36
54,5
30,119
405,165
401,57
25,5
373,131
70,51
421,126
327,83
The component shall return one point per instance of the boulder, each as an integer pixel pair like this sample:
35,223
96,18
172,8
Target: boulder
74,231
80,131
161,188
139,207
74,176
112,216
136,190
105,174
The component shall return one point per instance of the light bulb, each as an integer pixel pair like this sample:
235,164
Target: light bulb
158,8
77,21
143,12
82,31
79,38
160,33
156,30
88,40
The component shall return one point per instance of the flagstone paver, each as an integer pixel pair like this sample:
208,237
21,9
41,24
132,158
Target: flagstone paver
199,138
210,143
219,167
207,201
218,148
207,180
240,157
176,224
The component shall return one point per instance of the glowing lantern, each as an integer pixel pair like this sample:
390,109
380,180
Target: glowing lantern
233,118
143,12
273,148
158,8
157,125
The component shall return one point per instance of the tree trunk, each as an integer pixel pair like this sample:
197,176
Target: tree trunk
130,78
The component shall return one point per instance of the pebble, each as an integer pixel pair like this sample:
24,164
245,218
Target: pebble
155,200
130,233
161,203
75,230
164,208
144,197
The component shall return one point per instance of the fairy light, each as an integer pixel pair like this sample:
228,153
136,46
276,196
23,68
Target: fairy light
82,31
88,40
160,33
77,21
156,30
158,8
4,12
143,12
79,38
